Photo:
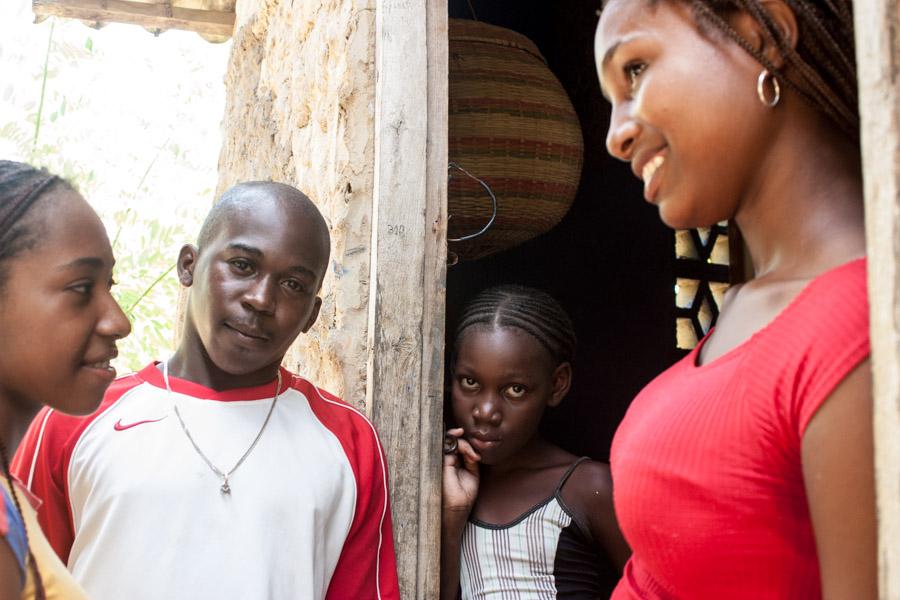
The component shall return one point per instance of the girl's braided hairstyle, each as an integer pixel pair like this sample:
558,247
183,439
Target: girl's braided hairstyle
39,592
533,311
821,69
20,187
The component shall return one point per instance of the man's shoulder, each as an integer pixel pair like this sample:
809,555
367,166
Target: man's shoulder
59,427
342,418
119,387
321,399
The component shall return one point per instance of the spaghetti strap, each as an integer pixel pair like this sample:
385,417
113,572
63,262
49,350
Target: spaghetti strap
568,474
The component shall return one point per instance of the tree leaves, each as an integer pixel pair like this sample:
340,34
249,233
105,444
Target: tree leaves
133,127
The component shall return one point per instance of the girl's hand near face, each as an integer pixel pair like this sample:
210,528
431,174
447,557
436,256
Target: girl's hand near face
460,478
460,488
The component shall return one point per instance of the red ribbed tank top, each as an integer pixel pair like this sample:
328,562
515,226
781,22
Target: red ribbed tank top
706,465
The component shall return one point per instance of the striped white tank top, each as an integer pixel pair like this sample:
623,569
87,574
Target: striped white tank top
523,560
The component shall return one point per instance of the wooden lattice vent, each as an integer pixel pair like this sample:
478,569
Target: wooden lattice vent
707,261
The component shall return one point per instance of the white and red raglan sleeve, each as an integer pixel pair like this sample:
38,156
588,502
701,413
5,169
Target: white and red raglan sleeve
39,463
367,567
42,462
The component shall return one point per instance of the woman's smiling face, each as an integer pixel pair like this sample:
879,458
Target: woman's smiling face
58,319
685,112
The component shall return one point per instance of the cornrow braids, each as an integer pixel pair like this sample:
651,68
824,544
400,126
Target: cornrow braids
533,311
39,592
21,185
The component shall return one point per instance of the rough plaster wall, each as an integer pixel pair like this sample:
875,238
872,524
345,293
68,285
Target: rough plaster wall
300,109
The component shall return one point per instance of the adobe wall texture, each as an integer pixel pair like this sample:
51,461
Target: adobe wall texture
300,109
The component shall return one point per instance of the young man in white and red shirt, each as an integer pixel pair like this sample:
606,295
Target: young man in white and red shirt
218,474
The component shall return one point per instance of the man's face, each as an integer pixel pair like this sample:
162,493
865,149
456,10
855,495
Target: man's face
254,286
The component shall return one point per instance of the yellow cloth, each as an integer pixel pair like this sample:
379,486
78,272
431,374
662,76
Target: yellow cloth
58,582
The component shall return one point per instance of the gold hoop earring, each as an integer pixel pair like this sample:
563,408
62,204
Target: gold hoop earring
761,89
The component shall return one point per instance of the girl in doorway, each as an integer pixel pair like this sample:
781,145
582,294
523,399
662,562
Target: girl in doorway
59,324
746,469
521,516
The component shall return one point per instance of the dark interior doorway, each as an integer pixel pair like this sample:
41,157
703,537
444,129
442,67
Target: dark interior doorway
610,262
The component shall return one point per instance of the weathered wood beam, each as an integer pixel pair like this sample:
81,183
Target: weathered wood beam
149,16
408,265
434,286
877,25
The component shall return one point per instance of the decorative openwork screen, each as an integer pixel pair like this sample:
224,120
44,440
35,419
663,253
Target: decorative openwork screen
704,268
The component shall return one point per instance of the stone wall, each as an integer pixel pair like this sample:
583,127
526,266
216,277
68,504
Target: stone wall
300,109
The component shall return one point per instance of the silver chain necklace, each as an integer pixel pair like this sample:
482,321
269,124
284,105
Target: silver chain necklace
225,488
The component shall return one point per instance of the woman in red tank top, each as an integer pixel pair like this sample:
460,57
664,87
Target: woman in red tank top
745,470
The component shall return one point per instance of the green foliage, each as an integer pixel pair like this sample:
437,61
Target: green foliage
54,126
147,289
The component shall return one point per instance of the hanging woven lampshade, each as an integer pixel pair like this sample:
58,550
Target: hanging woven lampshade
511,125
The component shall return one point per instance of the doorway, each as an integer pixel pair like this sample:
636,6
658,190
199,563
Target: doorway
610,261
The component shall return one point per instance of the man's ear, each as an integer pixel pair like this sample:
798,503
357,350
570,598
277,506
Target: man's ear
187,260
314,315
562,382
784,20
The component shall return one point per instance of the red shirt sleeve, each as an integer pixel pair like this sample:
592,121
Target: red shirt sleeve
836,338
42,463
367,567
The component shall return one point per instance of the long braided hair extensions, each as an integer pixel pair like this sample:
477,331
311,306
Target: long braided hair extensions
39,592
533,311
20,187
822,68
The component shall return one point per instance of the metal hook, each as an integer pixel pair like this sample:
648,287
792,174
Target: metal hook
472,10
490,192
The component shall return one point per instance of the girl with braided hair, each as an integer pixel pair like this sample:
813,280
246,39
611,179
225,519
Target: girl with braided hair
746,469
59,327
522,517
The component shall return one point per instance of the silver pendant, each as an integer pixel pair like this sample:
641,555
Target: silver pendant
226,489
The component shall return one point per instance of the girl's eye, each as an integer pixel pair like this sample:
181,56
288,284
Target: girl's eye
83,288
240,265
633,70
467,383
515,391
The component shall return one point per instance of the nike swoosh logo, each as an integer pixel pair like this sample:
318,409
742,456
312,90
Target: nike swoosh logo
120,427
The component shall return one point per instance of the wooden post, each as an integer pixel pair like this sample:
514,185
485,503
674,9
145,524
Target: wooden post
435,280
877,24
408,268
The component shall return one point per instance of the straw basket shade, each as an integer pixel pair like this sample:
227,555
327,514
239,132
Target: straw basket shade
512,125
